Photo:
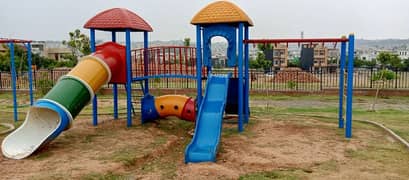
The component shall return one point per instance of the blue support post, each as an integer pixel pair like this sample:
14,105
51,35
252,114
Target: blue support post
14,80
350,84
95,100
128,78
115,86
146,60
246,74
240,70
30,74
341,86
199,64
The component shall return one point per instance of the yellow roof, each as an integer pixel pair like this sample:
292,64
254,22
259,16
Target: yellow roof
221,12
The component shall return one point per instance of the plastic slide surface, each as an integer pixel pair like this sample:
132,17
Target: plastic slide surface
54,113
204,145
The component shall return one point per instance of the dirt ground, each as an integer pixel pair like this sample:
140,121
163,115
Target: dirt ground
307,149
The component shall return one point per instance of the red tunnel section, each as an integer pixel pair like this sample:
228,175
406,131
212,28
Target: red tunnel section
189,110
114,55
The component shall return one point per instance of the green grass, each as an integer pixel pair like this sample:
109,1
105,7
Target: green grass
127,156
42,155
293,174
106,176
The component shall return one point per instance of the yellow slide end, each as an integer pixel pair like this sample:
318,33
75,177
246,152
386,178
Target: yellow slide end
170,105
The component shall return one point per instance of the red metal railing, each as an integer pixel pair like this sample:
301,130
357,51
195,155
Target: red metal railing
176,61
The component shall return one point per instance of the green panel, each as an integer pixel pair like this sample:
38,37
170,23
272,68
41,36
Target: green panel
70,93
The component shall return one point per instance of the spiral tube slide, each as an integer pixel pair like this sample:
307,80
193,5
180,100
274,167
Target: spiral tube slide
54,113
180,106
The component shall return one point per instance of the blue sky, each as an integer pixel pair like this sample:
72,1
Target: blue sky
369,19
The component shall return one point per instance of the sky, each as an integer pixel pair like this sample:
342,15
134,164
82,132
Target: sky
367,19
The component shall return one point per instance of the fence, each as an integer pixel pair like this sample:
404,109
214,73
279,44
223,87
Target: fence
287,80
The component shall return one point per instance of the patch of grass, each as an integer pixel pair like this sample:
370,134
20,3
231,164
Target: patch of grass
42,155
277,174
89,138
50,175
159,140
127,156
107,176
331,165
175,126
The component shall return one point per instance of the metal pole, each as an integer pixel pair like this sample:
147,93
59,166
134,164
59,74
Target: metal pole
128,78
146,60
199,64
13,80
95,100
246,74
348,129
240,70
115,86
30,75
341,86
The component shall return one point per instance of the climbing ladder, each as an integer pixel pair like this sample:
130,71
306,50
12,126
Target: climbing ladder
138,92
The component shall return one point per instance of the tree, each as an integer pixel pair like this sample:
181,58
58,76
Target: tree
295,62
385,59
261,62
79,43
186,42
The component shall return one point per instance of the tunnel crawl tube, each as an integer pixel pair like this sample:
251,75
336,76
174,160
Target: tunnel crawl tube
54,113
180,106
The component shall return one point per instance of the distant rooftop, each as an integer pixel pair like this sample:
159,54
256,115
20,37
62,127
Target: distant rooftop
118,19
221,12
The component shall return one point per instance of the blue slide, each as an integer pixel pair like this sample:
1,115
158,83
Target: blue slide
203,147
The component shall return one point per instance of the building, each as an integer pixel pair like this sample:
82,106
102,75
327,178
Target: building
280,56
403,54
38,47
57,53
320,56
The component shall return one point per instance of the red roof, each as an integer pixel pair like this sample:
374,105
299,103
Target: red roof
118,19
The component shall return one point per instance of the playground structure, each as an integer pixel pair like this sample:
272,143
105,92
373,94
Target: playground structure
11,44
116,64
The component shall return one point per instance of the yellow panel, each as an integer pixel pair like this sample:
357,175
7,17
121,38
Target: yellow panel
92,72
170,105
221,12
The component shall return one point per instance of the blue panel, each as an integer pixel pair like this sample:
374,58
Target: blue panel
205,142
225,30
148,109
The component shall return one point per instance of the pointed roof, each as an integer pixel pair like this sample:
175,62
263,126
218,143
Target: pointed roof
221,12
118,19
